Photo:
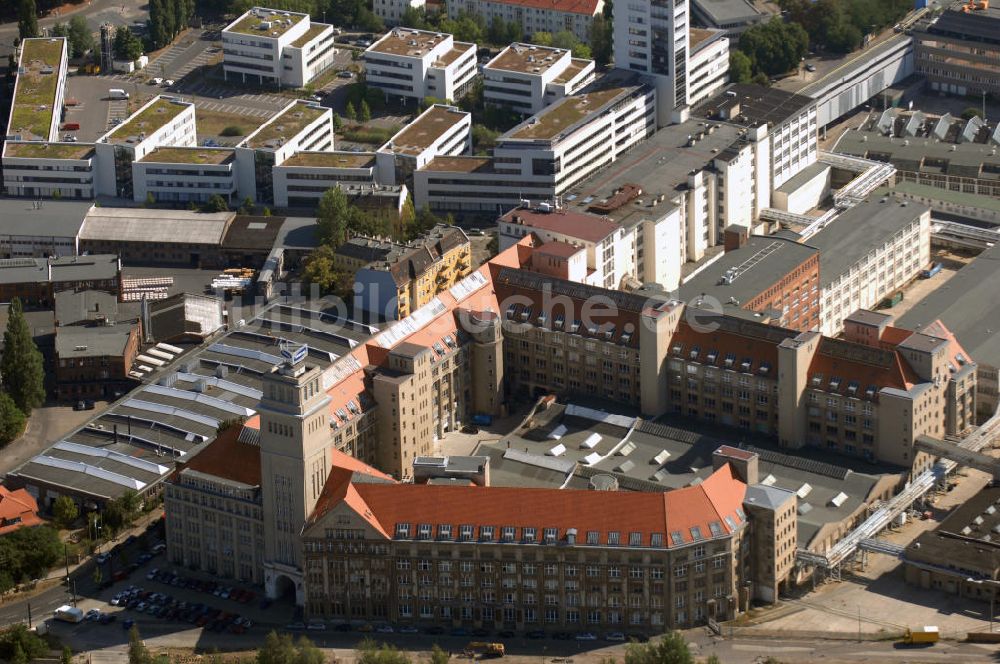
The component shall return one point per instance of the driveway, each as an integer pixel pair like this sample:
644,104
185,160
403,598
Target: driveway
45,426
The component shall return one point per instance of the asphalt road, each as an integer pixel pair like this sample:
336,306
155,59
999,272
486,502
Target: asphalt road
120,12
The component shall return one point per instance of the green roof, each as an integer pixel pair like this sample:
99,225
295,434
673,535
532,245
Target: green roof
310,34
169,155
39,150
147,120
249,22
563,114
332,159
35,92
286,125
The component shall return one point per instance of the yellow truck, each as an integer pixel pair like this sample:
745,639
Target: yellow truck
918,635
484,650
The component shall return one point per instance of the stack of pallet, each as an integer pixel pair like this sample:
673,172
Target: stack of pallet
150,288
234,281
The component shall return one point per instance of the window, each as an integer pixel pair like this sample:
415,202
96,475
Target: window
656,540
508,534
550,535
593,537
486,533
465,533
613,538
635,539
424,531
529,534
402,530
444,531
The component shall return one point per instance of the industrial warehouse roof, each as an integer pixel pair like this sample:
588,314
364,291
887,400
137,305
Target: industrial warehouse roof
569,445
98,267
727,12
962,303
857,231
149,225
77,341
55,219
978,25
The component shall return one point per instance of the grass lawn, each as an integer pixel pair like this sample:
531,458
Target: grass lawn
211,123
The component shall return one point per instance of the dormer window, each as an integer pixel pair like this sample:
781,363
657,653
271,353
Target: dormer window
508,533
465,533
402,530
613,538
444,531
486,533
593,537
730,360
550,535
528,534
635,539
424,531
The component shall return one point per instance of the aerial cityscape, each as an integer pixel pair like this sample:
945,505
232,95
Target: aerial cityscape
398,331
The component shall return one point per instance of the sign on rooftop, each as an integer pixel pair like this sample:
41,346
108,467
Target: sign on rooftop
294,352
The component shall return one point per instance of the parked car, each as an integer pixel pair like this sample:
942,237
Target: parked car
384,629
810,67
614,636
366,628
586,636
157,81
316,626
408,629
536,634
345,74
168,83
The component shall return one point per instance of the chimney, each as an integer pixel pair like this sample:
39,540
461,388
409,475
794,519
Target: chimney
743,463
735,237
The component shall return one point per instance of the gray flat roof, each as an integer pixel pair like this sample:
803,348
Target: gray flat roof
924,155
727,12
60,219
858,231
661,165
964,304
758,105
758,265
55,270
669,454
803,176
142,225
92,341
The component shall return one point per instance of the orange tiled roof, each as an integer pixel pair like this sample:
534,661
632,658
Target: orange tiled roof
587,7
715,505
17,505
228,458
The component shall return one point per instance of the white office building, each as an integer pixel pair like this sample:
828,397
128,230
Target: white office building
34,169
299,127
708,70
161,121
302,179
527,78
417,64
439,131
36,107
547,154
185,175
273,47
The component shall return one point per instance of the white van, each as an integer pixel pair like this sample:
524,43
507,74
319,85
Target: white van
117,93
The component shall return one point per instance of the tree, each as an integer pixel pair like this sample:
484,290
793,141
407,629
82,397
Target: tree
279,649
350,113
65,511
332,217
542,38
370,652
216,204
439,656
248,206
18,638
21,365
126,45
775,47
27,19
366,113
601,40
338,123
19,656
566,39
81,39
971,112
740,69
67,655
138,653
671,649
11,419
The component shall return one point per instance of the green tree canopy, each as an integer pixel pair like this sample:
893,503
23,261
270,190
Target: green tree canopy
280,649
138,653
775,47
65,511
542,38
740,69
370,652
216,204
319,268
17,637
602,40
11,419
671,649
126,45
21,364
27,19
332,217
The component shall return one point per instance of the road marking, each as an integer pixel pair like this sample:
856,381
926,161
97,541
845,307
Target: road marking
770,648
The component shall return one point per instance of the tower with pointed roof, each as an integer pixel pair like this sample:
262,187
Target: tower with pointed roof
295,447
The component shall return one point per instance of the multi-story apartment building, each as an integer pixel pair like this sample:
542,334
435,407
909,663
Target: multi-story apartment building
868,253
299,127
708,70
439,131
575,16
398,279
545,155
957,51
391,11
36,107
527,78
275,47
161,121
416,64
183,175
943,152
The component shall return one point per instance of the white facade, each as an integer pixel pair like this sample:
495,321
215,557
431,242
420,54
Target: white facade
652,38
303,179
881,271
299,127
743,181
39,65
708,70
417,64
267,46
175,175
542,158
391,11
527,78
44,176
141,133
439,131
795,145
555,16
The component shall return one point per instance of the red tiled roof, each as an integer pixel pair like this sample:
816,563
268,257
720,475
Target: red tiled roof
723,343
587,227
228,458
857,362
558,249
587,7
678,511
17,504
